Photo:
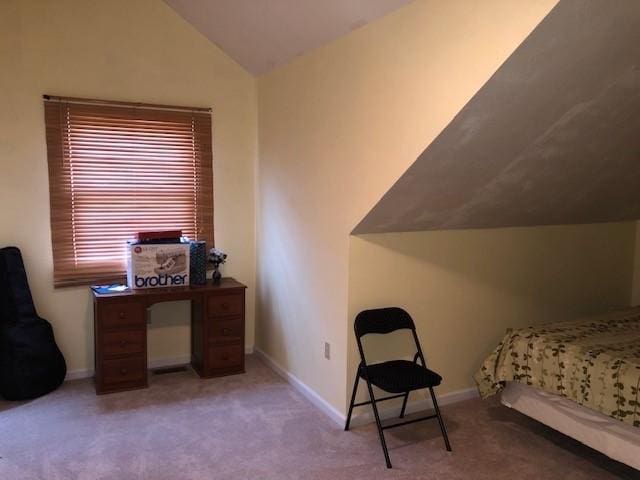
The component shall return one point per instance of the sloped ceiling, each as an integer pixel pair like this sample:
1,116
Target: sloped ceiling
552,138
262,34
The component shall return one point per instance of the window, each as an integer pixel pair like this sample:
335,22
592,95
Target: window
116,169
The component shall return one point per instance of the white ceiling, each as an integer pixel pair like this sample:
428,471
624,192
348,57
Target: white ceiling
263,34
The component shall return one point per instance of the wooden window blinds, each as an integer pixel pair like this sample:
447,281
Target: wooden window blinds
116,169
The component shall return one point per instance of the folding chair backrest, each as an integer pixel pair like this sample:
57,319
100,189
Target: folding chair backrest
382,320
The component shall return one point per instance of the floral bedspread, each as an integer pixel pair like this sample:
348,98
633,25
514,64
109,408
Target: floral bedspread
594,362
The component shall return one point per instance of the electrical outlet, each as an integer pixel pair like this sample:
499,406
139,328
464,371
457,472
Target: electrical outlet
327,350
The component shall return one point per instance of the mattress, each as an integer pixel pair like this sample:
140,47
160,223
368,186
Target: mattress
600,432
595,362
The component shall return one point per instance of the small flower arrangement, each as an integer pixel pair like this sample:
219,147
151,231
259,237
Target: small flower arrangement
217,258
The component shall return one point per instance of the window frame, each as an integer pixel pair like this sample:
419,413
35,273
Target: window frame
68,272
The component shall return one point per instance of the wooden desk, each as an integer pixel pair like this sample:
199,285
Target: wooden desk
120,332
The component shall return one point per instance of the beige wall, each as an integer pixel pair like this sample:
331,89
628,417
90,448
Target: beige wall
635,297
464,288
125,50
336,128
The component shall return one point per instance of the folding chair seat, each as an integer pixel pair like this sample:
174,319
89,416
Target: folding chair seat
399,376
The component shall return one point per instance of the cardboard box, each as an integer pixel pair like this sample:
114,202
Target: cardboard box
152,265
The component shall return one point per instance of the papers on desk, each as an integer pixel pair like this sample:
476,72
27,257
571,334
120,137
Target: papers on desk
115,288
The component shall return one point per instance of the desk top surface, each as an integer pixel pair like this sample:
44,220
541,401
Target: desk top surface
225,284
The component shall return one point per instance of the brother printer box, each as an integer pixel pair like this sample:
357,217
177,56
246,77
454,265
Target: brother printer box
151,265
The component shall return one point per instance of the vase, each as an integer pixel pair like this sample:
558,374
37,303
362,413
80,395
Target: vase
216,276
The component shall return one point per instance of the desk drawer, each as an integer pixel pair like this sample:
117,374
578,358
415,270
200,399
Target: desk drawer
124,370
222,305
125,342
223,330
115,315
226,357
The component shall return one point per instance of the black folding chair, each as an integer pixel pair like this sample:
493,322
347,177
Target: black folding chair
396,376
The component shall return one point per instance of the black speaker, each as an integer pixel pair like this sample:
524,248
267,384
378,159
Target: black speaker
198,263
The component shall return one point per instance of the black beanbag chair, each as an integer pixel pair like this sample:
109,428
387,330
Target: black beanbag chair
31,364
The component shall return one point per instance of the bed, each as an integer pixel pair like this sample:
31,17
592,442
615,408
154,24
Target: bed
580,377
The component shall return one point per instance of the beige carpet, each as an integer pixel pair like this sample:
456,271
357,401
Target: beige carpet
255,426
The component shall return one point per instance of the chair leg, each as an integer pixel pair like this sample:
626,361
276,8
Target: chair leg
404,404
353,399
440,421
379,425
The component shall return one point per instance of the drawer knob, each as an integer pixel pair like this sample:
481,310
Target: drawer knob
121,314
123,343
225,306
225,331
225,356
123,371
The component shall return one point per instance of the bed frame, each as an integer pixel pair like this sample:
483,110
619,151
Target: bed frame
611,437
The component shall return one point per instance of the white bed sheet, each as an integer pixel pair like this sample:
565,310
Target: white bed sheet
615,439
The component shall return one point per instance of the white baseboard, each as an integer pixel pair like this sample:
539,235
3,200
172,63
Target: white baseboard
78,374
392,409
156,363
302,388
365,415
